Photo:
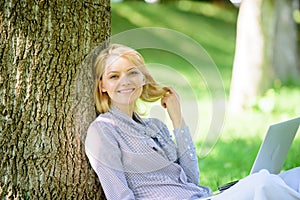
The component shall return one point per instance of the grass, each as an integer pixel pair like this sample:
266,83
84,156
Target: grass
214,28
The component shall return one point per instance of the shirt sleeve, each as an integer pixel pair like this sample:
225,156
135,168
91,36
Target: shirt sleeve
187,156
104,156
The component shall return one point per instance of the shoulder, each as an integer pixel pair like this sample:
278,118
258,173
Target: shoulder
102,126
103,120
154,121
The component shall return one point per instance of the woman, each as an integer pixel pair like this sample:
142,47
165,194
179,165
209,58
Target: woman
136,158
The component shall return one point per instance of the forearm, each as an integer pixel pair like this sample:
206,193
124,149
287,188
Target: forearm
187,153
178,122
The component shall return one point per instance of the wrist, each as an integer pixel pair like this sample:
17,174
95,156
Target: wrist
178,123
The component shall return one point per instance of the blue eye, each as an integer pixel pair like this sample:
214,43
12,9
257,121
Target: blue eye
133,72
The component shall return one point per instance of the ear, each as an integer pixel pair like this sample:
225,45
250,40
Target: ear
100,85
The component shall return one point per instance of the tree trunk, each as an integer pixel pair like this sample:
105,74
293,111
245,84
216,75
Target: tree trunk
43,46
285,47
266,50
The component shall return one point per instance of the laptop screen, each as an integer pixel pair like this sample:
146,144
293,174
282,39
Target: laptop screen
275,147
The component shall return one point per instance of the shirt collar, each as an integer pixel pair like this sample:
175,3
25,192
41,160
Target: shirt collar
116,112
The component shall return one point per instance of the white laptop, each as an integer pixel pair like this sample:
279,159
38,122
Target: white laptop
274,149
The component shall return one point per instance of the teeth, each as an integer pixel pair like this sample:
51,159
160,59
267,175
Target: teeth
126,91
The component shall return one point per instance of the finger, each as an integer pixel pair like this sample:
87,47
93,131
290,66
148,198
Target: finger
165,100
163,103
168,89
171,90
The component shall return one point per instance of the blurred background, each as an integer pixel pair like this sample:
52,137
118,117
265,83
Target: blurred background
255,47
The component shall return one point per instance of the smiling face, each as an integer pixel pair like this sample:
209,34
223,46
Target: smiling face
123,82
121,77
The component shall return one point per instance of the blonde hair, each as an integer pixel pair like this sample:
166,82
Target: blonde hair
152,91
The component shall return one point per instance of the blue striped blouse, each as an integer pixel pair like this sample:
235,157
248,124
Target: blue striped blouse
137,158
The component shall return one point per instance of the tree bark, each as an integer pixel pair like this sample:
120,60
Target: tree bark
44,85
266,50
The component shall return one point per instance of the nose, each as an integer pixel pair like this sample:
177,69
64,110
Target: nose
125,80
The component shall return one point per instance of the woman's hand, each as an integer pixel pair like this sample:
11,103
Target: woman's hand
171,102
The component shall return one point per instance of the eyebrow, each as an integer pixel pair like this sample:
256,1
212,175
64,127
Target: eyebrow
115,72
111,72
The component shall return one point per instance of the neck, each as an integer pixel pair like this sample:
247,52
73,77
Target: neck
128,110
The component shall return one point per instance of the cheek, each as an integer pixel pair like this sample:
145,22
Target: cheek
105,86
140,81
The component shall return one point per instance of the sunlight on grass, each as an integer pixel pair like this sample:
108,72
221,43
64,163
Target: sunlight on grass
225,163
136,16
208,9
